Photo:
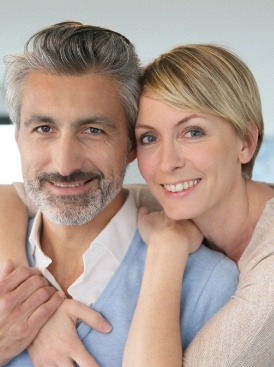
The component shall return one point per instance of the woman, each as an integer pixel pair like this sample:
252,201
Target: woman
199,130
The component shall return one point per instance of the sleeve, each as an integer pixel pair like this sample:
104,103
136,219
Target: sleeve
242,332
23,196
143,197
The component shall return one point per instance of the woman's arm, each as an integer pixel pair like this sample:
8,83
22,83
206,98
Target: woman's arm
15,209
240,334
28,321
154,338
14,218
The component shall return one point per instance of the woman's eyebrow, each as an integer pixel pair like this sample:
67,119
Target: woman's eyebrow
187,118
180,122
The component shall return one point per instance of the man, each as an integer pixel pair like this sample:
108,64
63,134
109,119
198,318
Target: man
73,98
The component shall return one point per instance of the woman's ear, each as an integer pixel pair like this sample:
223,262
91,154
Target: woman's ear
249,143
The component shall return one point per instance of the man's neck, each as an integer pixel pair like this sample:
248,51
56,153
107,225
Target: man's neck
65,245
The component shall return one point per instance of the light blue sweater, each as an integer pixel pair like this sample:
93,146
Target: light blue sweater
210,280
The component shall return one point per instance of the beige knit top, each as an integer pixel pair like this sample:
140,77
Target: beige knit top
241,334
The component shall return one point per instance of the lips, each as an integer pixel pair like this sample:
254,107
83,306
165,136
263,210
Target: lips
65,185
76,179
181,186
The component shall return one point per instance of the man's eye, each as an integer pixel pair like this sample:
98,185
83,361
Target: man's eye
44,129
195,133
94,130
148,139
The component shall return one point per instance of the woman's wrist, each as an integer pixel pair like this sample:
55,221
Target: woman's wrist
167,261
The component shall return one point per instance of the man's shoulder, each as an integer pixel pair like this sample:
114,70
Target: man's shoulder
211,268
210,279
206,259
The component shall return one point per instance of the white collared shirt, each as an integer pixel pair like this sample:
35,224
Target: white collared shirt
100,260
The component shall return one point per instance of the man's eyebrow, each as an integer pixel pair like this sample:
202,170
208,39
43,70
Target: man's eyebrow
95,120
34,119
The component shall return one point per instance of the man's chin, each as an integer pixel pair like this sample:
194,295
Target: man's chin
67,218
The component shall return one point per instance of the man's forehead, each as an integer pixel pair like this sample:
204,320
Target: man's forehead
89,82
88,96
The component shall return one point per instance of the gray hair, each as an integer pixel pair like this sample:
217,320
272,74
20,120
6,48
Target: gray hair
71,48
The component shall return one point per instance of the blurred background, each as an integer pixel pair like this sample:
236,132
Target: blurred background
244,26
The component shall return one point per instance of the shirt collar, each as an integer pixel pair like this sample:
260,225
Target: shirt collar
115,237
118,233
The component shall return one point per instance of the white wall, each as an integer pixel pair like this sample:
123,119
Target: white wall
154,26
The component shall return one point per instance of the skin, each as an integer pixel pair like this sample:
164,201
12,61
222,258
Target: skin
174,147
70,124
9,201
163,275
27,301
145,326
54,136
178,147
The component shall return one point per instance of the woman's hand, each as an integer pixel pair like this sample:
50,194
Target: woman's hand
156,229
58,343
27,301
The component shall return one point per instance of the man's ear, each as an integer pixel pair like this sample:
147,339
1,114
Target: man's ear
249,143
16,132
132,154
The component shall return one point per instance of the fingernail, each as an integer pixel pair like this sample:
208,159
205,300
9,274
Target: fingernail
107,327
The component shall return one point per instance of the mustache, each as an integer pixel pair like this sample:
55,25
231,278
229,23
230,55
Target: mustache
77,175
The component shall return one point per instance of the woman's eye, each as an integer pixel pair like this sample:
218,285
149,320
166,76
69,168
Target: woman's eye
148,139
195,133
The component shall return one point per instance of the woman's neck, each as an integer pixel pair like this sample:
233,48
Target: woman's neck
230,226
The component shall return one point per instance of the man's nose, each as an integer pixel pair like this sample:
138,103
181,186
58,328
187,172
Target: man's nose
67,155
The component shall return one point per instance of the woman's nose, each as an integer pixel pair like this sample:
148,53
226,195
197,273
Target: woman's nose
171,156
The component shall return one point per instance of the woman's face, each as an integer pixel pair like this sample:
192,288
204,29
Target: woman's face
190,161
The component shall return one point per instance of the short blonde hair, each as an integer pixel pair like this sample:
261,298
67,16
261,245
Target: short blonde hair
208,78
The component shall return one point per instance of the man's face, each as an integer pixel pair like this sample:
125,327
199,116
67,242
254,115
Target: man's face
74,145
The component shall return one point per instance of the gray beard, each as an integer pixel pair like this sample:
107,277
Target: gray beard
74,209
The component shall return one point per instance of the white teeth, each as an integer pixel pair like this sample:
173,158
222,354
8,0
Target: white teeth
67,185
181,186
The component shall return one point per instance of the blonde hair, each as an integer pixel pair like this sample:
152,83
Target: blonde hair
208,78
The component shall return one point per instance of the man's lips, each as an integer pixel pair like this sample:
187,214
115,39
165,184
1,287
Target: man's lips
69,185
75,179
